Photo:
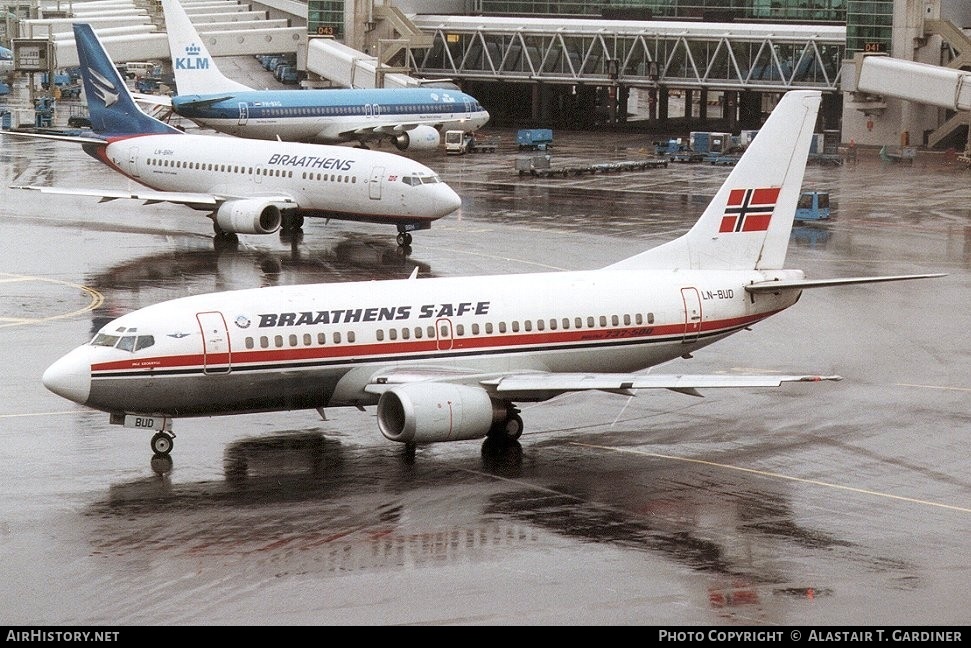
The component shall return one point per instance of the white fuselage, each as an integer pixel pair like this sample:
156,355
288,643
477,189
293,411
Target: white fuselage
314,346
271,124
329,180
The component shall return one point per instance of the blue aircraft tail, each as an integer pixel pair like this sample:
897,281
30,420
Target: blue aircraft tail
113,111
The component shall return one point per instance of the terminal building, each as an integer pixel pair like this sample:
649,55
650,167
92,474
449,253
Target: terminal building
661,64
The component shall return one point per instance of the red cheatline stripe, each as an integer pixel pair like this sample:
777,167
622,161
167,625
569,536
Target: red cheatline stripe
405,347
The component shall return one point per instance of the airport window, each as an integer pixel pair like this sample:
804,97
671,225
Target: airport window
638,319
337,337
502,327
515,326
417,332
379,334
578,322
126,343
431,331
443,331
293,340
307,339
249,343
614,320
475,329
590,323
353,179
351,337
540,325
321,339
393,334
650,318
103,339
264,342
603,321
405,333
459,329
528,325
552,324
278,341
144,341
488,328
626,320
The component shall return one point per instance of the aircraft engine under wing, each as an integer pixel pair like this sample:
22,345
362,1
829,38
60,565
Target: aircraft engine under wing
419,138
426,412
249,216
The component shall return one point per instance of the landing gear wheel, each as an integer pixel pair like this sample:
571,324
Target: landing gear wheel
507,431
162,444
404,239
513,428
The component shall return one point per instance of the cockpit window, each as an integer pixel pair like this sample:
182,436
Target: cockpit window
103,339
144,341
123,342
415,180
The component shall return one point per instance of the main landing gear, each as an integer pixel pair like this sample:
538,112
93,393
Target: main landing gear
509,430
404,239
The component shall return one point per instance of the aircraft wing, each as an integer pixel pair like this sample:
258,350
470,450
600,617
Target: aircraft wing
543,385
379,130
557,383
800,284
151,196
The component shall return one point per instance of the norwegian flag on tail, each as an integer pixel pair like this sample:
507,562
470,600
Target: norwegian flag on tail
749,210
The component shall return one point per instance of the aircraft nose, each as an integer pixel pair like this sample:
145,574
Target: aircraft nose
448,200
70,376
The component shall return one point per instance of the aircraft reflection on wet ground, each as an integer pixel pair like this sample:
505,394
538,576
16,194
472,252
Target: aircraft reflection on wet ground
204,267
328,507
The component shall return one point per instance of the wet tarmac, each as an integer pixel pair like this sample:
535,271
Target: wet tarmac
831,503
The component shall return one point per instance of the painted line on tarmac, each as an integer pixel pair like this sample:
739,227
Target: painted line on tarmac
940,387
764,473
97,299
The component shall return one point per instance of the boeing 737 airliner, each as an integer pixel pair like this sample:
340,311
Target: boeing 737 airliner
447,359
412,118
250,187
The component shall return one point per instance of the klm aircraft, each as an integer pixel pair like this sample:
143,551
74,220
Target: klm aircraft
411,118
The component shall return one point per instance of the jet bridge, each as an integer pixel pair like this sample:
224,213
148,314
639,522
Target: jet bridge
132,33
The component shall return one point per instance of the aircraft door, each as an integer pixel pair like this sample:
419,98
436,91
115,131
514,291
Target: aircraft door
243,113
692,315
216,349
133,161
443,333
374,186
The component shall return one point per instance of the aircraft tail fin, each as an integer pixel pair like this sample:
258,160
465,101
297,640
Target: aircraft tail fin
112,110
193,66
747,224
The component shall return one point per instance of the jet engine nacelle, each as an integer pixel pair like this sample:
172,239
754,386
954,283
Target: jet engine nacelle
419,138
429,412
249,216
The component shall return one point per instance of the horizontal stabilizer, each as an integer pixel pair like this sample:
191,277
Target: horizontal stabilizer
65,137
800,284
